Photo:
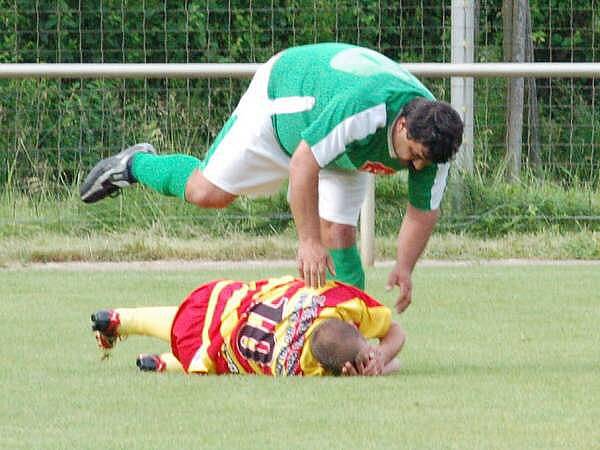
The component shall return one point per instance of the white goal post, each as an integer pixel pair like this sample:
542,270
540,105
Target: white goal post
224,70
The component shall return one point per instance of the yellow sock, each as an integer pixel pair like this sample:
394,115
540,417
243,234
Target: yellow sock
173,364
152,321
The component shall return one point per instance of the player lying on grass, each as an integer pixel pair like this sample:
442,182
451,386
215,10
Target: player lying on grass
275,327
323,115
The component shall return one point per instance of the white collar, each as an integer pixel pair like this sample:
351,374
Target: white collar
391,150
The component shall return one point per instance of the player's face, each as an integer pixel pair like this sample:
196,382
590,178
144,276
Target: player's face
410,152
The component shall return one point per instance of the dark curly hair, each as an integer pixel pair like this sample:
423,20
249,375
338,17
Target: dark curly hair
436,125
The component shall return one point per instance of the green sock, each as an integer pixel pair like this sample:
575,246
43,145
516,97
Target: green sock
167,174
348,267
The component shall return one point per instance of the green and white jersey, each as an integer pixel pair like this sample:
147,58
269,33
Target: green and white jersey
343,101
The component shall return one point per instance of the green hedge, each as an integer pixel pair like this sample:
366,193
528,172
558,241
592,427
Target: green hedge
54,130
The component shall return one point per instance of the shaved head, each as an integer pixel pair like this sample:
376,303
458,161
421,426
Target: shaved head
335,342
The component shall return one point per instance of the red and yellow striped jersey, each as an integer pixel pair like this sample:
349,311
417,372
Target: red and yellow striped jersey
263,327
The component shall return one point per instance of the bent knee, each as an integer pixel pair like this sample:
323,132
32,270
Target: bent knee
211,199
204,194
337,235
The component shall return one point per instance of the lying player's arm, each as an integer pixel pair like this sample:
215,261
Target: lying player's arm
313,257
391,367
388,348
379,359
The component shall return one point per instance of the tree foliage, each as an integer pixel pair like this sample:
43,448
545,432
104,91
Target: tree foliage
54,128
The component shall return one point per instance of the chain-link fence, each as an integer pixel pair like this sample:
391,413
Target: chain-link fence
54,129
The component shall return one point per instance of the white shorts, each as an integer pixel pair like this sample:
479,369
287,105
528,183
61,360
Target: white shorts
246,158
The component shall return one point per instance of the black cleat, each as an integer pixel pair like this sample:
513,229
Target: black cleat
150,363
111,174
105,324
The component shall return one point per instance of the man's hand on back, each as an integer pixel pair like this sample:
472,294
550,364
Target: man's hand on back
313,257
313,262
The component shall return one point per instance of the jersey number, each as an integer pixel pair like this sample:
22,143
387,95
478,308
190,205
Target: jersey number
257,343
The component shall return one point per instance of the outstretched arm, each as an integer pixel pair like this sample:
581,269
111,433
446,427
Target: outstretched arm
412,239
313,257
384,354
391,344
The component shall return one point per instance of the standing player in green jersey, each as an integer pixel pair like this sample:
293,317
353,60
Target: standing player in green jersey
323,115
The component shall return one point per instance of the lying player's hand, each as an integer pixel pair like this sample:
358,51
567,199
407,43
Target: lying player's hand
366,364
313,261
349,370
375,364
369,362
402,279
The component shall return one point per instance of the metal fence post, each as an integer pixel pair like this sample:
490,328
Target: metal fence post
461,89
367,225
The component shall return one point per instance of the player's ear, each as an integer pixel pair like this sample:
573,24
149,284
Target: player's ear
401,123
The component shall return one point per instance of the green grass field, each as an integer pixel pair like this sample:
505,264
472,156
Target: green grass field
496,357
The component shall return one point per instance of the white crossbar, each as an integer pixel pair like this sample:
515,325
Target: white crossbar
434,70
